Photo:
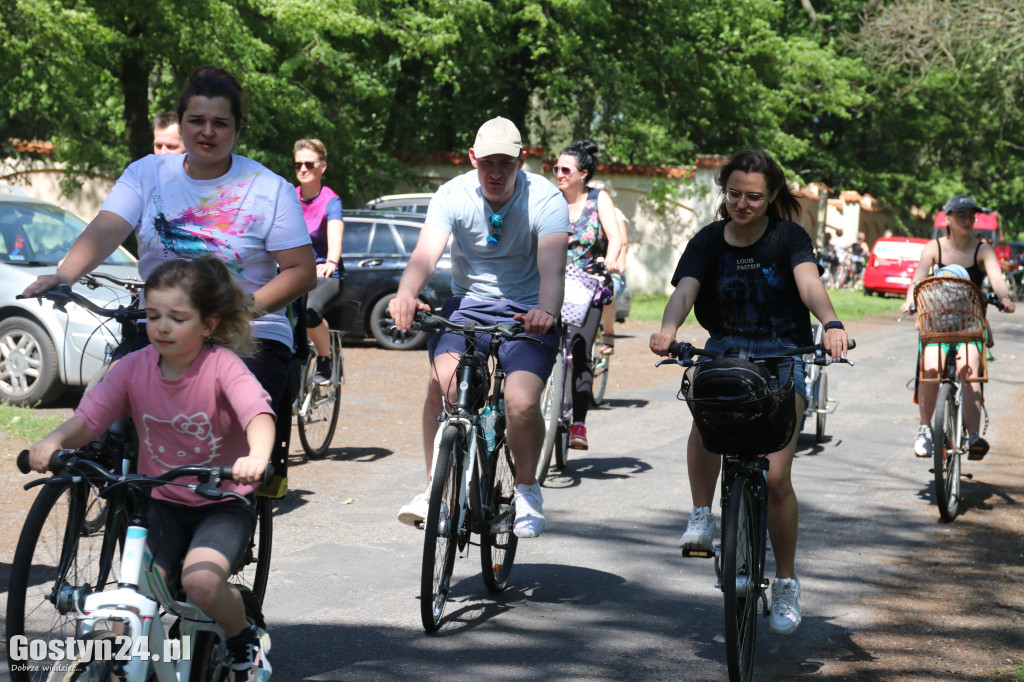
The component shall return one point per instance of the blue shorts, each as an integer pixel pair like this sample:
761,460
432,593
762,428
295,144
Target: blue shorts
515,355
759,347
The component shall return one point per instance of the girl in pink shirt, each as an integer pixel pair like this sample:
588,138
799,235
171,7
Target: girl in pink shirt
193,402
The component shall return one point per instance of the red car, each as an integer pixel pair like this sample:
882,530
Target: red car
892,263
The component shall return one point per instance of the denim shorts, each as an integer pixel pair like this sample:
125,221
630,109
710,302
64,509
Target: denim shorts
759,347
515,355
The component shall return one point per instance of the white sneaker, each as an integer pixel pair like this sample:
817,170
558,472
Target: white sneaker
786,614
923,444
700,530
416,511
529,504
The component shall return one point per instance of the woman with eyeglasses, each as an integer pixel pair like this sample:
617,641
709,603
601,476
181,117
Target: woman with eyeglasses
210,200
960,246
751,278
595,241
322,210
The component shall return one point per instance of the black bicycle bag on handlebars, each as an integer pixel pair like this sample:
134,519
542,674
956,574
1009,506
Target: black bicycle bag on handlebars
741,407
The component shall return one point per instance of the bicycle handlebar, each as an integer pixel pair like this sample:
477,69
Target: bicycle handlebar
432,323
72,462
131,284
61,294
683,354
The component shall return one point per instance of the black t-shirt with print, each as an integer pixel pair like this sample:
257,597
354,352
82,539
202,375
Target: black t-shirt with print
749,291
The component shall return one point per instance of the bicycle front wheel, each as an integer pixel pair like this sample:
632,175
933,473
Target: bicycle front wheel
740,535
551,407
946,453
497,541
318,413
56,563
255,567
441,534
821,403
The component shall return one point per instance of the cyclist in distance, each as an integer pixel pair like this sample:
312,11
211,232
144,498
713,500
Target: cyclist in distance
210,200
508,230
595,235
751,277
194,402
322,210
960,246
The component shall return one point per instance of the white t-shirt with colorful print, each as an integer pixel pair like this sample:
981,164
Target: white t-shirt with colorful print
240,217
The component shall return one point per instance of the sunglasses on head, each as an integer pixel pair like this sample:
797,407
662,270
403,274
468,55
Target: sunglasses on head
308,165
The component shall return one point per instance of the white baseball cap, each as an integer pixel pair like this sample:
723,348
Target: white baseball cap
498,136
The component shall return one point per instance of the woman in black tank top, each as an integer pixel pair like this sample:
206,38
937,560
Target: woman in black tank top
961,247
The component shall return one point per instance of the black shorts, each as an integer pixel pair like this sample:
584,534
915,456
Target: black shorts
174,529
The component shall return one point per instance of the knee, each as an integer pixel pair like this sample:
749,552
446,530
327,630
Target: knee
204,588
313,318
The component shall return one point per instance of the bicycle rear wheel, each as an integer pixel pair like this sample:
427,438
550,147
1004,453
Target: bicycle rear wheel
550,405
946,453
318,410
56,563
740,535
497,541
255,568
441,535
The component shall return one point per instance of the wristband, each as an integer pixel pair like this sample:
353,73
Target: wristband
332,262
834,324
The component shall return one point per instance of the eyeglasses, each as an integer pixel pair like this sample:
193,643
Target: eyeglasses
753,199
563,170
494,221
308,165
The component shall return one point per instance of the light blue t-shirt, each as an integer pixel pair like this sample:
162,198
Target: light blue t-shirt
506,271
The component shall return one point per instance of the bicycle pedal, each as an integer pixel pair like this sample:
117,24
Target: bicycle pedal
689,552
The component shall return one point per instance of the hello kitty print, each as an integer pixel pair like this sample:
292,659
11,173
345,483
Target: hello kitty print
196,444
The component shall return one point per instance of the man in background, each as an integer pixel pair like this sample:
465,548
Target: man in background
167,134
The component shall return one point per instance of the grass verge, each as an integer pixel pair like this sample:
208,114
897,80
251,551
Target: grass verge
26,424
849,305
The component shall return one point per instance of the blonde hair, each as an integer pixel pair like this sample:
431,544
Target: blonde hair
210,289
313,145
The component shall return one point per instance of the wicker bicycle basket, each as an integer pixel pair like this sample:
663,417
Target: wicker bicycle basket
745,425
949,310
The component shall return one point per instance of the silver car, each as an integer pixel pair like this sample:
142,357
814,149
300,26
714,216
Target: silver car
43,350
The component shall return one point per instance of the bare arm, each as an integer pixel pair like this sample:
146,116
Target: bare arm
70,435
929,256
296,276
814,296
551,257
99,239
610,223
260,434
335,234
429,249
995,277
676,310
624,236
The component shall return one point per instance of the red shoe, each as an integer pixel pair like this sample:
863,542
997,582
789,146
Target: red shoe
578,436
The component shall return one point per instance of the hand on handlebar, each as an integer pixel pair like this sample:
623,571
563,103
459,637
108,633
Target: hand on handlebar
836,342
536,321
43,284
660,343
248,470
403,311
40,453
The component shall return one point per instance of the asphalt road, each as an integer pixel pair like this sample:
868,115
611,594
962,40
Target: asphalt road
604,594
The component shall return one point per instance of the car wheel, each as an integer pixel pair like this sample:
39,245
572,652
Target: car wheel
384,332
28,364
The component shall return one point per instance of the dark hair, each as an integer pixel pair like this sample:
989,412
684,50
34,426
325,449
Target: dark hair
210,82
784,205
585,152
165,120
210,289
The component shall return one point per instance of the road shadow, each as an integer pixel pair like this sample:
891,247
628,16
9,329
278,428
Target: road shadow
579,469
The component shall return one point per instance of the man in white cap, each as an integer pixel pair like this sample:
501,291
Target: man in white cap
509,232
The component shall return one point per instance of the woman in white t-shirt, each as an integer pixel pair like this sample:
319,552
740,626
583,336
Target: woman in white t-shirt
209,200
